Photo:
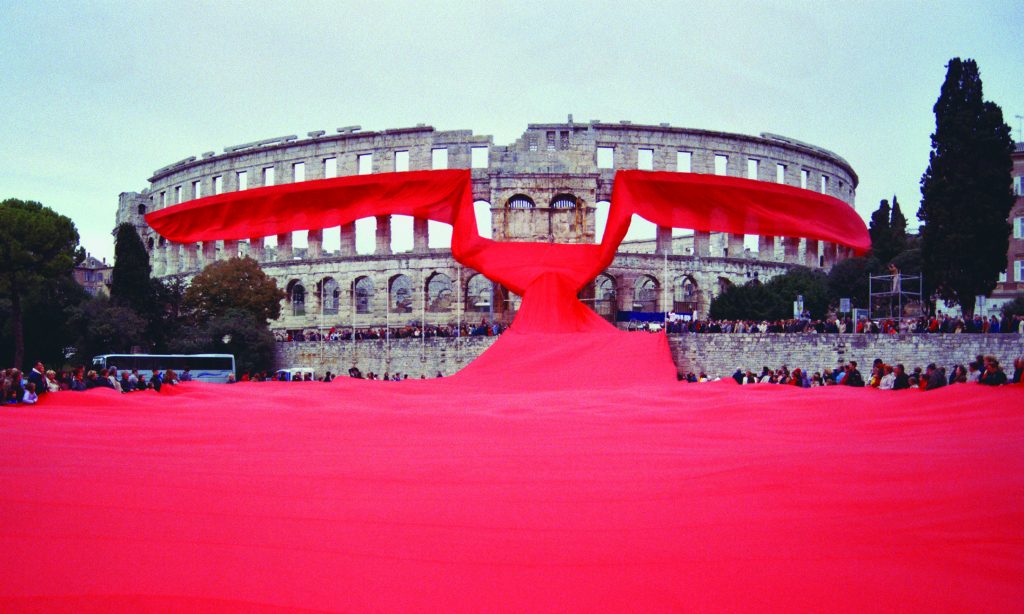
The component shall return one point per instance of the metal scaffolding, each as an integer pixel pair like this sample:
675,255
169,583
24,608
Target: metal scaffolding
895,296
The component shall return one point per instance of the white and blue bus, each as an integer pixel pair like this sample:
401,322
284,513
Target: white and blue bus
204,367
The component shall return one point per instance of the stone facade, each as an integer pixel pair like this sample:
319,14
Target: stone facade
1011,284
547,186
718,355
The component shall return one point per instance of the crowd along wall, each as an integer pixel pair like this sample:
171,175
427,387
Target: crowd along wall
718,355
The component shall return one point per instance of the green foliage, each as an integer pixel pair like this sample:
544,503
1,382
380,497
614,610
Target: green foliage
966,195
897,228
234,332
106,327
880,231
774,299
1013,308
849,279
235,284
129,284
37,245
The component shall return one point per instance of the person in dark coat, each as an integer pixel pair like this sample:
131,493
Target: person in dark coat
37,376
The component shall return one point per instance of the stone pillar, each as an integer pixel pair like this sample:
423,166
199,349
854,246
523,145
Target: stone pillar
663,243
171,265
420,236
159,259
735,245
383,235
191,256
230,249
284,246
209,252
765,247
829,252
791,249
348,239
256,248
315,241
701,243
811,253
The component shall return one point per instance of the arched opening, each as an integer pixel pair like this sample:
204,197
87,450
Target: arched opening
520,201
330,294
685,295
363,290
604,297
564,201
600,219
297,297
150,243
400,294
724,284
479,294
142,209
440,292
484,224
645,294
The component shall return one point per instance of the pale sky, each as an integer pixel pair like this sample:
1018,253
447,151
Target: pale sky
96,96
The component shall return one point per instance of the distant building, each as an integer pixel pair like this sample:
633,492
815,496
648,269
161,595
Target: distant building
1011,281
94,275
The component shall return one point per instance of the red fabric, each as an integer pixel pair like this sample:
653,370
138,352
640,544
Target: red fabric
475,494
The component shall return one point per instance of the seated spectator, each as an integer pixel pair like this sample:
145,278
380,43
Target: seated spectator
186,375
51,381
1018,369
901,381
888,379
30,397
935,377
993,375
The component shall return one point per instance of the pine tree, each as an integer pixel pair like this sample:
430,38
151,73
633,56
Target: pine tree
129,284
897,228
881,235
966,196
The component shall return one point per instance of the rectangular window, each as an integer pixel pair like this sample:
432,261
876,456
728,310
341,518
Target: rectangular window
721,165
605,157
330,168
532,143
163,199
563,142
479,156
751,168
177,195
1018,189
551,140
401,161
268,176
645,159
197,189
298,172
1018,228
243,180
364,163
684,160
780,173
1002,277
824,184
804,175
218,184
439,158
1018,270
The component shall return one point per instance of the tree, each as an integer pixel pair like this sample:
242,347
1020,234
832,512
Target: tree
48,335
106,327
774,300
966,196
881,232
238,283
36,244
129,284
849,279
897,228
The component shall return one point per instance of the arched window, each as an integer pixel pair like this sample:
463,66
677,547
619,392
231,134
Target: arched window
685,295
724,284
645,294
150,243
604,296
401,294
363,288
565,201
331,295
520,201
479,294
440,292
142,209
297,297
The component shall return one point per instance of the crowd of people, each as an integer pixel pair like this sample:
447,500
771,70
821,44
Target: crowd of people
17,387
924,325
335,333
984,370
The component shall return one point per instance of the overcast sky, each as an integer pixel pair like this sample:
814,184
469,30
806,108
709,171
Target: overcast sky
96,96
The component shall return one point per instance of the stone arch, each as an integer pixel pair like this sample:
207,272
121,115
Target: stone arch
484,219
724,283
605,296
400,294
150,242
520,201
330,295
142,209
645,293
296,297
685,294
479,294
565,201
440,292
362,289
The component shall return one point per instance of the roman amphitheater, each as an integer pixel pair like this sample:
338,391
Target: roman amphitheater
551,185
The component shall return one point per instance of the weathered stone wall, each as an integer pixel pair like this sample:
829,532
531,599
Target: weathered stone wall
718,355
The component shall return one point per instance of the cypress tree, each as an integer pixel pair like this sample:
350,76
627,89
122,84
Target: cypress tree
897,228
881,235
129,283
966,196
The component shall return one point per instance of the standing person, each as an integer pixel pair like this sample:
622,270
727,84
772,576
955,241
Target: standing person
37,377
